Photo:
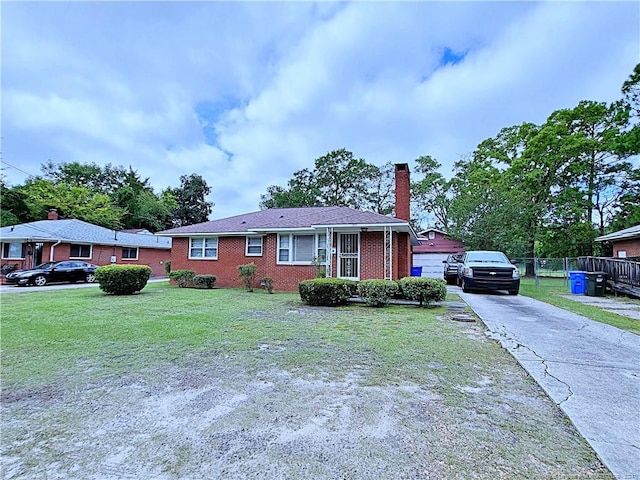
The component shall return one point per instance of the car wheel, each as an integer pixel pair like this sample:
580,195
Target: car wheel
513,292
458,282
90,278
40,281
465,289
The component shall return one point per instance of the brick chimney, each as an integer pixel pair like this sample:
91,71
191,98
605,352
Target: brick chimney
53,214
403,192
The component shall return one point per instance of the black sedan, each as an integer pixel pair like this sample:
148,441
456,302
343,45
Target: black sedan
66,271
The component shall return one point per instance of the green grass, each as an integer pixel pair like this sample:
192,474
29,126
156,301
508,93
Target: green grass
71,359
551,291
49,334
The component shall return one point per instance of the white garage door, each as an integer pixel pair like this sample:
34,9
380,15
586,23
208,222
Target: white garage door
431,263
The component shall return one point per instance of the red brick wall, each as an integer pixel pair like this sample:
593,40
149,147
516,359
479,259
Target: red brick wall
631,247
371,255
403,192
439,244
404,256
101,255
231,253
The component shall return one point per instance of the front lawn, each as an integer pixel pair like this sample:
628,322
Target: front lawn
183,383
554,291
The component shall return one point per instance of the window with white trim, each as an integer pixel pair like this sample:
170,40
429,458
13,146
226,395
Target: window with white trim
432,235
254,247
129,253
304,249
203,247
12,250
79,251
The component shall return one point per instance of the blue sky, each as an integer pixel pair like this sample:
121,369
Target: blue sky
246,93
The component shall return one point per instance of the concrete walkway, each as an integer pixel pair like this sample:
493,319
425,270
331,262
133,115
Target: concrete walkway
590,369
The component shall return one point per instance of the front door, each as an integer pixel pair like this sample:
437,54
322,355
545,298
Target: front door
349,256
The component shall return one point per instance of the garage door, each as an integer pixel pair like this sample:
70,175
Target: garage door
431,263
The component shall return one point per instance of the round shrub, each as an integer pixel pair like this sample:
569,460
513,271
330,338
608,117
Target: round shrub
183,278
122,279
377,293
327,292
204,281
422,289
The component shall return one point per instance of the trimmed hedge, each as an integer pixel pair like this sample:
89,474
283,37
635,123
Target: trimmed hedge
425,290
122,279
377,293
327,292
183,278
204,281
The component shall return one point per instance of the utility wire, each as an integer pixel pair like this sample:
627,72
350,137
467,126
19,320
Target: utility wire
13,166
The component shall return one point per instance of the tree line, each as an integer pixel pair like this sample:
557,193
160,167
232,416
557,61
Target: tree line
111,196
532,190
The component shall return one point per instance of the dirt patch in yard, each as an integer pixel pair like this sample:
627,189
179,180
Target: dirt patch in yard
223,413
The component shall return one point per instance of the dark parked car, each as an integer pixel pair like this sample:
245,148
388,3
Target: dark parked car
488,270
451,268
66,271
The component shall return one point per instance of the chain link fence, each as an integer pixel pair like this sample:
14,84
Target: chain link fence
546,267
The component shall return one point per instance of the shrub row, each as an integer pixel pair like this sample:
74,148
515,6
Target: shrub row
377,293
122,279
183,278
326,291
204,281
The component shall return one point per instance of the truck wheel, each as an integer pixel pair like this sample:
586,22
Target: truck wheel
465,289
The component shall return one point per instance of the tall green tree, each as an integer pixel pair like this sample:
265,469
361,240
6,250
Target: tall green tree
338,179
192,205
13,206
128,192
71,201
431,193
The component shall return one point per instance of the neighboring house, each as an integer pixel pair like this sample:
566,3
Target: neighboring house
293,244
626,243
29,244
435,246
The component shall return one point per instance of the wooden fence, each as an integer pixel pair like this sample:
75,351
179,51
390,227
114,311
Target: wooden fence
618,270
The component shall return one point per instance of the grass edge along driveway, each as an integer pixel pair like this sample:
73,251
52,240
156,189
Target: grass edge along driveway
181,383
553,292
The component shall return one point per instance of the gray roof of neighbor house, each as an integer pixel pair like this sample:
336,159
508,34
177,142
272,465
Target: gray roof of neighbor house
281,219
77,231
626,234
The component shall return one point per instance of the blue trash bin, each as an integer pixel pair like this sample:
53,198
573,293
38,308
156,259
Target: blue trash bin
578,282
416,271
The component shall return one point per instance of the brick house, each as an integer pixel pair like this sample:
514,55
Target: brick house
29,244
625,243
435,246
292,244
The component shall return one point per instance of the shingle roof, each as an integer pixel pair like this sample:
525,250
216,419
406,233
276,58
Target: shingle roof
288,218
77,231
626,234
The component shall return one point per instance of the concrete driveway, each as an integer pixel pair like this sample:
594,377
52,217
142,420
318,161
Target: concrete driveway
590,369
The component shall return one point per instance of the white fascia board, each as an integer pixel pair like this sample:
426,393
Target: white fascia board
252,233
362,225
282,230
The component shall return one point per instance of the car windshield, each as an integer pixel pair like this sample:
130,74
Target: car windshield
487,257
45,266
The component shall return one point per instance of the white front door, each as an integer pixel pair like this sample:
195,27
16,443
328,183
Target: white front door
349,256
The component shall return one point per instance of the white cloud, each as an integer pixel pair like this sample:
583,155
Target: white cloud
120,82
